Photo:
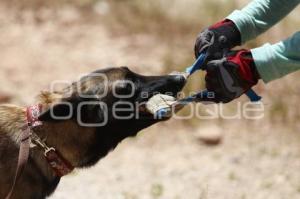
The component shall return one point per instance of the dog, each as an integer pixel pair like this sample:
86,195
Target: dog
105,120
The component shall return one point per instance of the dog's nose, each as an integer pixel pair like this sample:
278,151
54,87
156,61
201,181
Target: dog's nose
178,78
178,82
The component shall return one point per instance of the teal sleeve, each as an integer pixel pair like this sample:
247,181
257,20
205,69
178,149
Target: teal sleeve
272,61
260,15
275,61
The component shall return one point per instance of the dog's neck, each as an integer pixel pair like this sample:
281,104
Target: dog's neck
66,136
12,120
80,146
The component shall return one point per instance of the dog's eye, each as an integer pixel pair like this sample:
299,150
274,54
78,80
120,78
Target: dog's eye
124,89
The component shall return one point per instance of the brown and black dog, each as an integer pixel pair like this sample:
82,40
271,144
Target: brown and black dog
82,145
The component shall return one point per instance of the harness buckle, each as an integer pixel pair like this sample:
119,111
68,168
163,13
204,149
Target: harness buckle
48,150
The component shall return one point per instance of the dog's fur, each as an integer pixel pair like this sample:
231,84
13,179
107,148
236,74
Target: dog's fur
81,146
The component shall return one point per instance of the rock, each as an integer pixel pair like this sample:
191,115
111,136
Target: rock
210,135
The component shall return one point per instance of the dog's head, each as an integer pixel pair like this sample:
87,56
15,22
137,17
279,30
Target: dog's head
112,99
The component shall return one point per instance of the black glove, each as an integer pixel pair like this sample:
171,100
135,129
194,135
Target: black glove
230,77
217,40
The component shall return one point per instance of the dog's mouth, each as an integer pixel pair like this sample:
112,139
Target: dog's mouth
168,85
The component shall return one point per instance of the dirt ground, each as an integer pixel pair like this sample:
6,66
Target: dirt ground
255,160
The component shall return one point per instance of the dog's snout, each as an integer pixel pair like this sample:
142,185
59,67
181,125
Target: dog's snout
179,76
178,79
176,83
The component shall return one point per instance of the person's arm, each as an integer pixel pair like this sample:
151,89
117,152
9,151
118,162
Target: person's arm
260,15
275,61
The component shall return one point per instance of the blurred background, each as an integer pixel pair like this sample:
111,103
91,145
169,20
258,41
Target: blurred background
43,41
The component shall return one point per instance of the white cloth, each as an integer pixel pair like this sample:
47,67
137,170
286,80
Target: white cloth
160,101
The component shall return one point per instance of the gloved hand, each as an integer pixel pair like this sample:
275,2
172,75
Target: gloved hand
217,40
230,77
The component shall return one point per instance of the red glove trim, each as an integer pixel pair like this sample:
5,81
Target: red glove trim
244,64
225,22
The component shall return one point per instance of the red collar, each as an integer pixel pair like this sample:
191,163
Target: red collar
57,162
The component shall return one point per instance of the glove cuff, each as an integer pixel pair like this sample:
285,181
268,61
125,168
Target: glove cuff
247,69
228,29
